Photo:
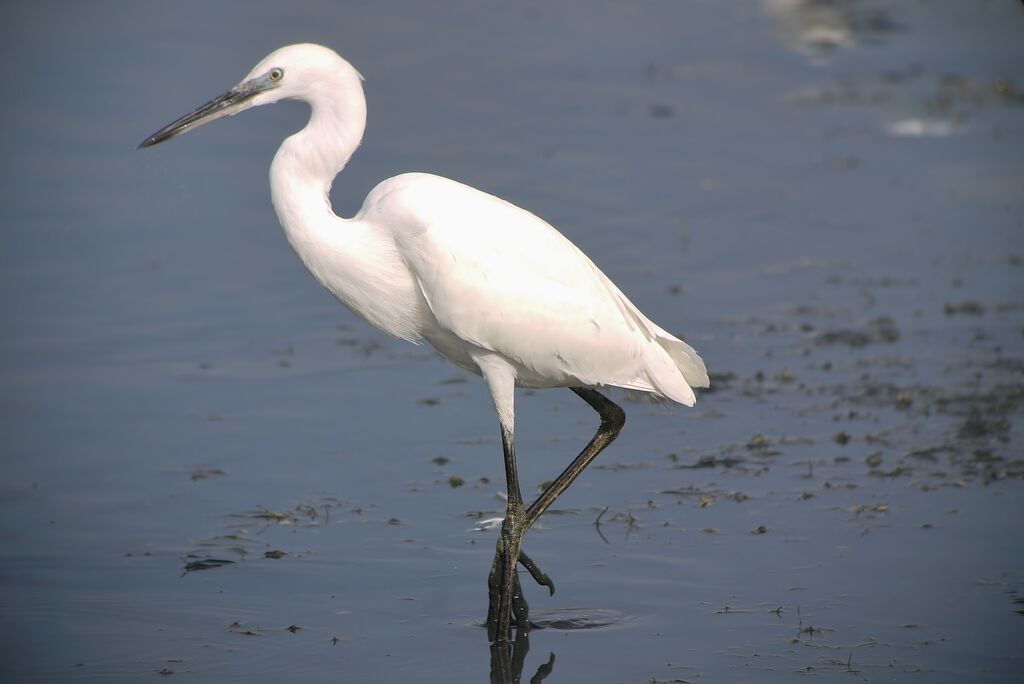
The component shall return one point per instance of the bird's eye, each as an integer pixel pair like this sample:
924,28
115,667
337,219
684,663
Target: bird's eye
276,74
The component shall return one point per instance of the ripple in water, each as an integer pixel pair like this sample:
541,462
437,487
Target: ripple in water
578,618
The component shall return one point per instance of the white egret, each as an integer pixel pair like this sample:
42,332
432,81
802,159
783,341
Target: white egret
493,288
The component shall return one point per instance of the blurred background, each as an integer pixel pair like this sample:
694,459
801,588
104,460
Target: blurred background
211,470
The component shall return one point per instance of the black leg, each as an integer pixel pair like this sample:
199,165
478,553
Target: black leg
612,420
505,593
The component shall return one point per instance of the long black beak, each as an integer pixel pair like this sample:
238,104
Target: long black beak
225,105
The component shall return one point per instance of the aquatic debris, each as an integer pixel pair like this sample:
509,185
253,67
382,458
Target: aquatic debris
455,481
689,490
237,627
711,462
204,473
966,308
729,610
275,554
811,631
628,518
873,508
308,514
820,27
757,442
618,465
929,453
1014,469
266,514
204,564
977,426
920,128
881,330
486,524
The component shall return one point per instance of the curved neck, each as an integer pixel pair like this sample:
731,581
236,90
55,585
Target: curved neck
353,259
307,162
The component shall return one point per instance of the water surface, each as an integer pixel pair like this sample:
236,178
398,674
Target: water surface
824,198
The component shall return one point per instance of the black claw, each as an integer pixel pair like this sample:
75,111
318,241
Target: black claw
538,576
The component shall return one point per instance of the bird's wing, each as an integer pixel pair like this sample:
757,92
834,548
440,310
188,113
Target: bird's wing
503,280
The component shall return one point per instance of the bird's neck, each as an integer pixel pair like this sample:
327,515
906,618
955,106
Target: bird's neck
308,161
305,166
351,258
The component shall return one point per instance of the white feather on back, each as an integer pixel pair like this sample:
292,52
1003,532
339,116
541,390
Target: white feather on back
502,280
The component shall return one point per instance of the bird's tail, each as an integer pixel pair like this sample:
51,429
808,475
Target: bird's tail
687,360
674,368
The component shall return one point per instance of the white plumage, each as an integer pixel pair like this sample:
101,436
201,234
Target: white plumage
427,258
495,289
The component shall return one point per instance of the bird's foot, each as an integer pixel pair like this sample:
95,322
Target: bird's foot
506,604
539,577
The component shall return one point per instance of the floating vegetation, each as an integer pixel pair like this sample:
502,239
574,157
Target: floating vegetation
194,564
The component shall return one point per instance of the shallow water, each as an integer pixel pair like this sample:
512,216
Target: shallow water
824,198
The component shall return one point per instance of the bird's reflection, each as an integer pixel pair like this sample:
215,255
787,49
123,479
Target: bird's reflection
508,658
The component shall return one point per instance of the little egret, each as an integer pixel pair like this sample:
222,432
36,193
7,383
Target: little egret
493,288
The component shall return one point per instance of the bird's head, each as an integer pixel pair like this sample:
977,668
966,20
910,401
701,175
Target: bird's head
291,72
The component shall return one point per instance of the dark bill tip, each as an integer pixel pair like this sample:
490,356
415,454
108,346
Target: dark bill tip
214,109
150,141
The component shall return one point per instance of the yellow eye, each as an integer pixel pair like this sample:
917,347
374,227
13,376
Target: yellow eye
276,74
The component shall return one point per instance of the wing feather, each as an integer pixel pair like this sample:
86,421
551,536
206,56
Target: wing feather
503,280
